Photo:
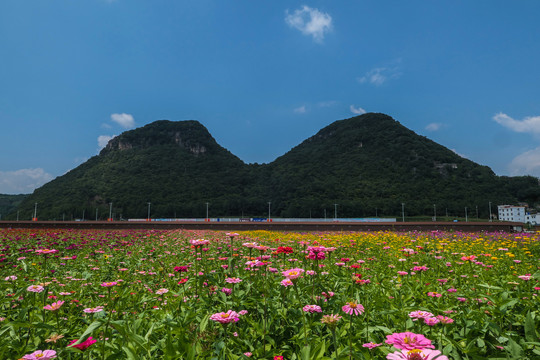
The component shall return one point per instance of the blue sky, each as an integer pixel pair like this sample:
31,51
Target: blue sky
263,76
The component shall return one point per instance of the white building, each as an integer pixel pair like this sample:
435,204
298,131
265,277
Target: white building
511,213
533,219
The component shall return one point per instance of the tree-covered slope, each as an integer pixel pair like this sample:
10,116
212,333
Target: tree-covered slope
367,164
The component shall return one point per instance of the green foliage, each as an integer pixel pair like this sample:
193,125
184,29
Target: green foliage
8,203
369,165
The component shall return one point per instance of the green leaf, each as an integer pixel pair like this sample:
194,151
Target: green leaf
91,328
131,353
480,342
530,330
514,349
204,323
305,353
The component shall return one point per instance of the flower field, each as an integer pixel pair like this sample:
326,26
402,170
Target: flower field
70,294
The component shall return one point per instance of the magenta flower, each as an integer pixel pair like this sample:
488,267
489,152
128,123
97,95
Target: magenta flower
181,268
54,306
312,308
352,308
371,345
40,355
83,345
233,280
226,291
109,284
417,354
225,318
409,341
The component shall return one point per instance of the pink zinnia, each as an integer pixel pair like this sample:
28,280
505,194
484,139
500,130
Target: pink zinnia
286,282
40,355
233,280
199,242
54,306
409,341
46,251
225,318
445,319
419,314
292,274
93,310
352,308
109,284
371,345
430,321
162,291
312,308
35,288
417,354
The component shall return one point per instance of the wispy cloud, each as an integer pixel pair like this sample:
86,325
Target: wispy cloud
380,75
527,163
310,21
103,140
434,126
300,110
124,120
357,110
23,181
530,124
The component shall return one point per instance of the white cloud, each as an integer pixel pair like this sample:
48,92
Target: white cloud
23,181
530,124
124,120
380,75
527,163
357,111
300,110
310,21
434,126
103,140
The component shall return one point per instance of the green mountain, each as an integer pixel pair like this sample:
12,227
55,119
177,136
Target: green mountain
367,164
8,203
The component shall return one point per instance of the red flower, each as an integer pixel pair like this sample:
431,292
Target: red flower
279,357
284,250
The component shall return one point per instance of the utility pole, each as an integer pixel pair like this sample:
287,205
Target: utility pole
403,212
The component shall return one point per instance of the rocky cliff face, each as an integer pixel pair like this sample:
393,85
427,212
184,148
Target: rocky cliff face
189,135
